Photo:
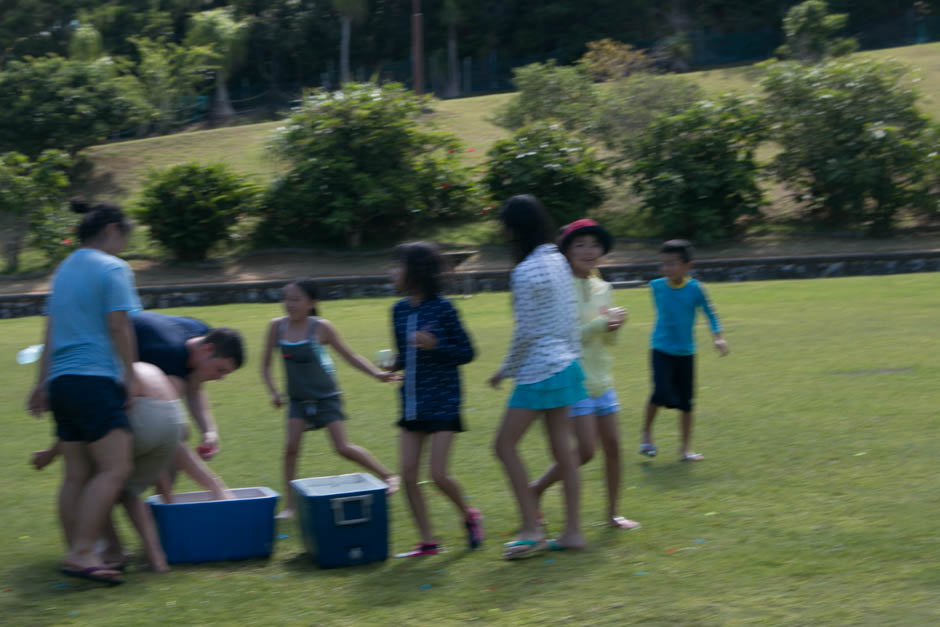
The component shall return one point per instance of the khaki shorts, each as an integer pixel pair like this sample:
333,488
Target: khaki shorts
157,427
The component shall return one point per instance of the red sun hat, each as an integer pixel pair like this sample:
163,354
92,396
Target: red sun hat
584,226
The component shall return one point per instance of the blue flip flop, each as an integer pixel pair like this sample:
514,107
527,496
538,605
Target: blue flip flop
519,549
648,449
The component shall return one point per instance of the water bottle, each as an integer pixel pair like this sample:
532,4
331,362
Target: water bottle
29,354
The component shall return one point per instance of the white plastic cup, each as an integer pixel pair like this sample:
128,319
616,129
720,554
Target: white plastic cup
384,359
30,354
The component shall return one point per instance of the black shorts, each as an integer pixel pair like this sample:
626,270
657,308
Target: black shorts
317,414
673,380
431,426
87,408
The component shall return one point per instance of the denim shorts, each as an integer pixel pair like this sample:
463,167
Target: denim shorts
602,405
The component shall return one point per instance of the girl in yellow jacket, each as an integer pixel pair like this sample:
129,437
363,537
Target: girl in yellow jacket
584,242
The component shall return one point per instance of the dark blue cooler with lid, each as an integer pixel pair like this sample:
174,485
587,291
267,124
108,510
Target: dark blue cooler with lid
344,518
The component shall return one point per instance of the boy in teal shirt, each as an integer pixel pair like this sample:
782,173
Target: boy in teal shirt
677,298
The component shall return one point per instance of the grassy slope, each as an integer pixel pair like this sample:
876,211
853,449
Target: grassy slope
817,503
121,167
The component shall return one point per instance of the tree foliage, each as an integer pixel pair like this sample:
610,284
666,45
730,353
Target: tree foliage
191,207
546,91
31,199
628,106
852,140
696,173
810,31
57,103
607,59
362,168
556,166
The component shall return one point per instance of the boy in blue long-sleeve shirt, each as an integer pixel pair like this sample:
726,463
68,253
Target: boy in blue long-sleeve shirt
677,298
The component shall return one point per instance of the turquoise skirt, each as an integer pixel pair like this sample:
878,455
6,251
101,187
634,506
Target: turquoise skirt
560,390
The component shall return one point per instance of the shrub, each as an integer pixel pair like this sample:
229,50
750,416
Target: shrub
31,205
851,139
627,106
696,173
810,33
608,59
191,207
361,166
546,91
545,160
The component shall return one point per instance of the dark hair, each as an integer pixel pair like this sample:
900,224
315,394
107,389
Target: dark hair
311,289
98,217
527,221
226,343
423,265
681,247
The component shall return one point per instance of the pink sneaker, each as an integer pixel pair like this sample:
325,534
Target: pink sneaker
474,523
422,548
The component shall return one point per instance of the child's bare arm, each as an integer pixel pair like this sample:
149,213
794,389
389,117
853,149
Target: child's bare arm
269,342
328,335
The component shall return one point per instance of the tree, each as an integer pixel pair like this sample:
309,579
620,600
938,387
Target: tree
362,166
219,31
29,192
86,44
171,76
627,106
57,103
546,160
851,138
810,32
451,18
350,11
696,173
548,91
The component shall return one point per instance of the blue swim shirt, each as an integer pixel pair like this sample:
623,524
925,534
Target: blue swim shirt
88,286
676,308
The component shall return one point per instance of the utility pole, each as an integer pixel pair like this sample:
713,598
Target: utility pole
417,47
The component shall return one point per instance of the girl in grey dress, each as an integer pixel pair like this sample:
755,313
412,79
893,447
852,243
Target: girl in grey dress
314,400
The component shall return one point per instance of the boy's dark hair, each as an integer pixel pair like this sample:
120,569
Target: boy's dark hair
681,247
226,343
527,221
311,289
97,217
423,265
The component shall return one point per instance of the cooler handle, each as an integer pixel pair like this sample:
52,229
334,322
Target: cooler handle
339,514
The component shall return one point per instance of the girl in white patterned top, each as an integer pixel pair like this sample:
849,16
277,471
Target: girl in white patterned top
543,358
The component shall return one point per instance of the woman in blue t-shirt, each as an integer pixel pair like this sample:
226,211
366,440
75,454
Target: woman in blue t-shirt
85,376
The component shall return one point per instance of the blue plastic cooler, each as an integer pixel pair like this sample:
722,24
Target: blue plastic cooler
194,528
344,519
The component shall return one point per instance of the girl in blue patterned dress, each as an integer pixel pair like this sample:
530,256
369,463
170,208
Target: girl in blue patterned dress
431,344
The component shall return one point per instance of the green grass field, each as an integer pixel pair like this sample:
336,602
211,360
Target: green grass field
121,167
817,503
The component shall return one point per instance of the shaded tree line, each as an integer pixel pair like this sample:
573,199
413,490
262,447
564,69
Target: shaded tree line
291,42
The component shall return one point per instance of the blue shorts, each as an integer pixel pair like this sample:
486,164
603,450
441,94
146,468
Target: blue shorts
87,408
559,390
602,405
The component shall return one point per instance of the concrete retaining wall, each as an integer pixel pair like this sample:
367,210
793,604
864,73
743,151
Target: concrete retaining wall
711,270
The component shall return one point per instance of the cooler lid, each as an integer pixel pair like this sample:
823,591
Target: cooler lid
338,484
